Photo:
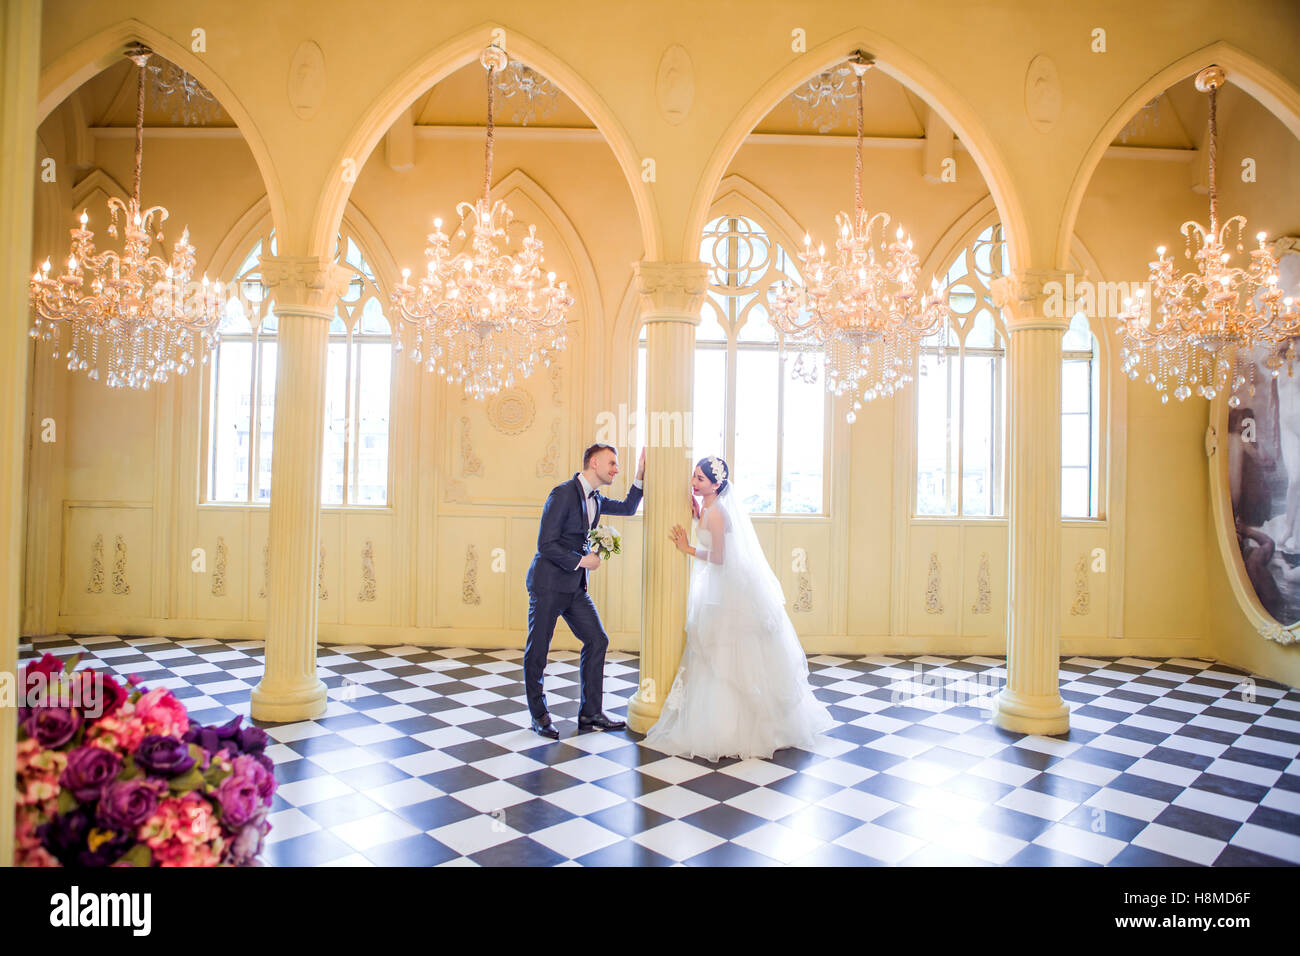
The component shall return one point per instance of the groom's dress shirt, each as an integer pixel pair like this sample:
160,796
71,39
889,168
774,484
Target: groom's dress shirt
591,501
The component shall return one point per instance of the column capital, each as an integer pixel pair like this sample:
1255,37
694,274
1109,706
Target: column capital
1025,299
304,285
671,291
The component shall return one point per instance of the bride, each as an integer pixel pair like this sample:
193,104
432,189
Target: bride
742,687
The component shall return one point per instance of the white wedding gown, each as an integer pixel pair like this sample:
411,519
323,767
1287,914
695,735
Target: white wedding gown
742,688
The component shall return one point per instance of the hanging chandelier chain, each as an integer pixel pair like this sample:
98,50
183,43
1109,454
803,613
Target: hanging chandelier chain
491,132
857,168
1214,151
139,126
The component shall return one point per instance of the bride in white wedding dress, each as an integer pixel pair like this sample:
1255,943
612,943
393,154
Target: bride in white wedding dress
742,687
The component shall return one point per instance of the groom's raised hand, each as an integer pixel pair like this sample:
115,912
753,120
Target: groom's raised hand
640,466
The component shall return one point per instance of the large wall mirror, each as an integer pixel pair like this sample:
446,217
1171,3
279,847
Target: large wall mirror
1254,445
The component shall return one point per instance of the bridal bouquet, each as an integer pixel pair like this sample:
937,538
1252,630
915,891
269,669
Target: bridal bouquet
120,776
605,541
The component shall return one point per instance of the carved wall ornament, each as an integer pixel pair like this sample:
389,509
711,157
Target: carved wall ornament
119,567
96,585
983,594
367,572
219,569
671,287
933,585
556,371
306,80
1273,631
511,411
470,464
309,282
266,570
546,464
1211,441
804,601
1082,598
1042,93
469,586
675,84
320,577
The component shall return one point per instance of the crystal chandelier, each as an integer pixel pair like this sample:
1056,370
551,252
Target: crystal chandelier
143,318
1184,337
479,317
817,103
189,100
862,309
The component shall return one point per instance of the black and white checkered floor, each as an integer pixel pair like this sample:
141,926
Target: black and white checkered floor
424,758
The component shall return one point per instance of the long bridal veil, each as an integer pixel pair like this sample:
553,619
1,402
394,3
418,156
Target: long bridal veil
742,687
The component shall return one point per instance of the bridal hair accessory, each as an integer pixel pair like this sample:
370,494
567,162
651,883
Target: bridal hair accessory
718,468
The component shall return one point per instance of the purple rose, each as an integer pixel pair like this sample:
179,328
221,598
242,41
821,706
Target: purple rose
89,770
248,841
252,740
215,739
64,836
126,804
248,767
239,800
52,726
107,852
163,756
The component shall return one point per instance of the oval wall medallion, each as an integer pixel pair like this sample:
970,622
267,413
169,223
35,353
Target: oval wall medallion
675,85
1042,93
306,79
511,411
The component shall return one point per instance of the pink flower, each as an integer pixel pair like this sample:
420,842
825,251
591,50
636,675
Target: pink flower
183,832
162,713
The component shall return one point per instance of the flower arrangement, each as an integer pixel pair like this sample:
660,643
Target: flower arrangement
123,777
605,540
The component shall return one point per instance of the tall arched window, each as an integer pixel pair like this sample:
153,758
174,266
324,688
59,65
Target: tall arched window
961,392
358,390
242,390
769,426
1080,420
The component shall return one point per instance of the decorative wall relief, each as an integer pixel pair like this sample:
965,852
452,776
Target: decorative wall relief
306,80
320,577
675,84
546,465
367,572
804,601
1082,598
470,464
119,567
983,595
556,371
219,570
512,411
469,587
96,585
1042,93
933,603
266,570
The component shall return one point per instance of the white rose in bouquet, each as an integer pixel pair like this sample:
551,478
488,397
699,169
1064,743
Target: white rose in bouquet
605,541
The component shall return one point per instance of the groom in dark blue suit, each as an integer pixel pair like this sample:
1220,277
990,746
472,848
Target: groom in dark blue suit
557,585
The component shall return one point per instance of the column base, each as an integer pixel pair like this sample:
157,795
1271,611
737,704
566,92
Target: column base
1047,715
279,704
642,714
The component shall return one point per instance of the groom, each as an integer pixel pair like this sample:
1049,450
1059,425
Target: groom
557,585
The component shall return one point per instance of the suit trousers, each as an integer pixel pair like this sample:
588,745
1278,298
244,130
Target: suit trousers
579,612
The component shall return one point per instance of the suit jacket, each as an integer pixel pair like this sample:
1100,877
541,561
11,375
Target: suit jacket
562,535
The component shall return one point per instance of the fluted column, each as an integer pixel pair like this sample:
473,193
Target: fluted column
20,47
671,293
305,291
1031,700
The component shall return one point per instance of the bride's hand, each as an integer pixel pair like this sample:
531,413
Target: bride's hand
678,537
695,505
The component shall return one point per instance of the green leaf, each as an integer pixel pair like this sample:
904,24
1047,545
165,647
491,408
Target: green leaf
67,802
186,781
71,663
138,855
129,770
